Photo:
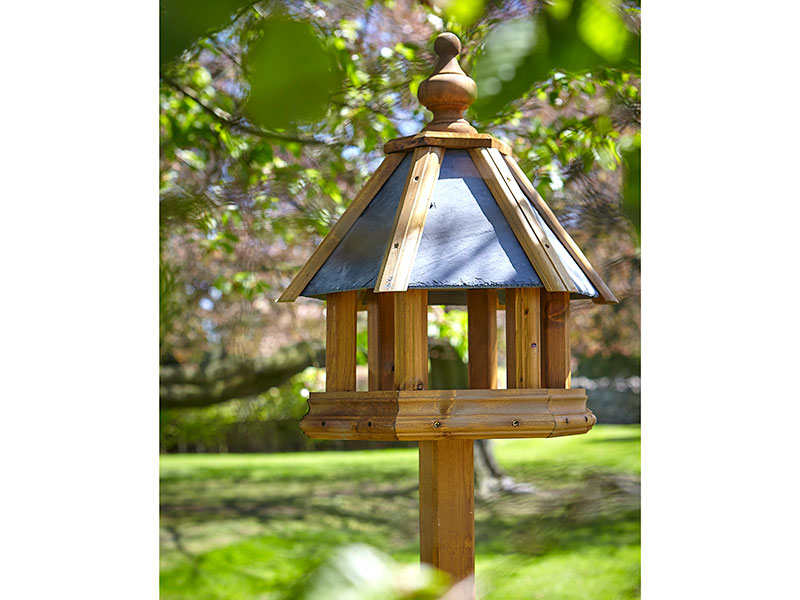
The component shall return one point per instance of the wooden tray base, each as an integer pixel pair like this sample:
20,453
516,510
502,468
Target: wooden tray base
437,414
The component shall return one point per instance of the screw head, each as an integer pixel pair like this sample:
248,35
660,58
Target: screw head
515,423
437,424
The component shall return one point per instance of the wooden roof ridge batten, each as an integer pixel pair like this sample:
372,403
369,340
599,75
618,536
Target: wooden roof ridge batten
409,221
606,295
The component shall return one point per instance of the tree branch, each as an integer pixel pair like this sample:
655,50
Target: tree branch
194,385
238,124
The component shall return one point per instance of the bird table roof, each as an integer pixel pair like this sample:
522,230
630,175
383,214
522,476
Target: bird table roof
448,210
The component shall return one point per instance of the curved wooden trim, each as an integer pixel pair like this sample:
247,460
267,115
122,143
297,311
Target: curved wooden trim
438,414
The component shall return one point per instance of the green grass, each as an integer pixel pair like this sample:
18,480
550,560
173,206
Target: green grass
255,526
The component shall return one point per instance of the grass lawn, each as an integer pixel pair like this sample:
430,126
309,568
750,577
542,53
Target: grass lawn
255,525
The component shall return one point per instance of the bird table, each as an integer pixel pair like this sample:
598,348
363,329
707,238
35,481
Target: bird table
448,218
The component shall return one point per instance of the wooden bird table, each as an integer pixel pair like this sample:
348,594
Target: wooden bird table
448,218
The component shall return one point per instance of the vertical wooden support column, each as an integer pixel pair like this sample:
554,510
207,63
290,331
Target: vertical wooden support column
523,338
446,494
447,507
482,338
555,340
380,341
340,342
410,339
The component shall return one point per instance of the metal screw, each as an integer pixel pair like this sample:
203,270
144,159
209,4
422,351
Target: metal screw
515,423
420,385
533,345
436,424
416,178
397,245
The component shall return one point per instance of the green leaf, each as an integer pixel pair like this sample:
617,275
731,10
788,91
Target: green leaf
292,75
464,12
520,53
182,22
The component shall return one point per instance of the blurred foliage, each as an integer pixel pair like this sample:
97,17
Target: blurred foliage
450,326
288,61
273,114
360,572
568,36
259,526
182,22
209,427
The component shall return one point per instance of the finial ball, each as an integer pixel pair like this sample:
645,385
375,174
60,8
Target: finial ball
447,44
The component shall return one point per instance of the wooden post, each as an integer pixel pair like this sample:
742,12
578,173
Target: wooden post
340,342
410,339
523,338
482,338
555,340
380,341
446,507
446,495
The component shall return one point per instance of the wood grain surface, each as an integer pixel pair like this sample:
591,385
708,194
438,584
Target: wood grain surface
523,338
446,414
340,342
380,341
409,220
482,338
555,340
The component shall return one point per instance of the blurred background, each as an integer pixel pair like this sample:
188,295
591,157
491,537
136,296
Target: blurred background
272,115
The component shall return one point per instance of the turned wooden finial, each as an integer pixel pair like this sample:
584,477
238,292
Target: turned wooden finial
449,91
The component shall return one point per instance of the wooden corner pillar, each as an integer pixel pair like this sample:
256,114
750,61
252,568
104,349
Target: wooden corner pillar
556,370
446,486
482,338
523,338
340,342
380,341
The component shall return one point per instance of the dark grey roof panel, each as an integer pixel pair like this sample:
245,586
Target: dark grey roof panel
466,241
355,262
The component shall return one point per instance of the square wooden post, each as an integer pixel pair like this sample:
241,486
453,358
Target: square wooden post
447,507
523,338
410,339
380,341
482,338
340,342
555,340
446,513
